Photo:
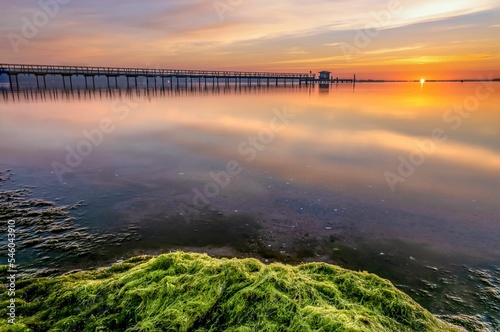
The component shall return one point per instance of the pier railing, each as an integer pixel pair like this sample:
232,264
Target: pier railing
17,69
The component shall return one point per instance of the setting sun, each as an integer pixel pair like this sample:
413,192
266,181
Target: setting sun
422,80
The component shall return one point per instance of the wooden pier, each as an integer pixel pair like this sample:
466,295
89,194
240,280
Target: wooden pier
160,77
151,78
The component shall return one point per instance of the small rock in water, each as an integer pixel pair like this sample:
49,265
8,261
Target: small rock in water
119,261
381,254
328,228
412,258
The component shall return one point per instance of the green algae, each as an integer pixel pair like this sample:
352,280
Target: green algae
42,225
45,228
194,292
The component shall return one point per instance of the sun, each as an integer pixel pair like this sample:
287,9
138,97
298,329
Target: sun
422,80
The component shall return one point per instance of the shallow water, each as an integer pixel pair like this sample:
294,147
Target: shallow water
360,176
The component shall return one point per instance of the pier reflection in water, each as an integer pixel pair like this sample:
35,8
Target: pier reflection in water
47,94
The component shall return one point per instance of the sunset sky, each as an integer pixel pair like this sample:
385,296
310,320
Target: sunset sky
396,39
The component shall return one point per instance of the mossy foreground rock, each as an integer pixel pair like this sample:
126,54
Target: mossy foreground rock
192,292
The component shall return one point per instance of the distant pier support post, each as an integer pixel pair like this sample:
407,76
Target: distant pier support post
37,84
10,81
64,75
354,80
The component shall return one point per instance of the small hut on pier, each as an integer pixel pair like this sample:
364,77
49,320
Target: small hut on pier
324,75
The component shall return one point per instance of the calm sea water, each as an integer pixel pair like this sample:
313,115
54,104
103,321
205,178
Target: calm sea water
398,179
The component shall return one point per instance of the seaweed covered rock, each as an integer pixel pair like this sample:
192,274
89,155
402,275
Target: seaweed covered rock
192,292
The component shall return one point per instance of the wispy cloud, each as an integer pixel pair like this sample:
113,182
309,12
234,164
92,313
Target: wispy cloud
296,50
446,58
393,50
314,60
334,44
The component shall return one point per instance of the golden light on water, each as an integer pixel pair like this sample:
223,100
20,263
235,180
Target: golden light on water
422,80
